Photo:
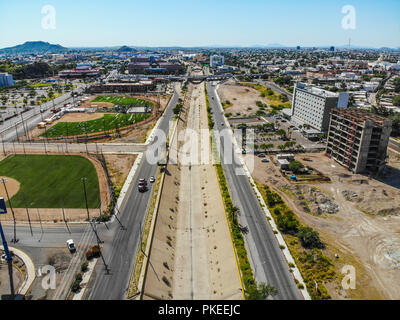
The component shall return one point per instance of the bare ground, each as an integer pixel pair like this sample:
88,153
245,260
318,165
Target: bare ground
365,231
240,97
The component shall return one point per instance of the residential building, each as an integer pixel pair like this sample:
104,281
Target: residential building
358,140
217,61
311,106
6,80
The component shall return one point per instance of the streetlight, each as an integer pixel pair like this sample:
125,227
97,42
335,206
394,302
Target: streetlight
93,228
84,190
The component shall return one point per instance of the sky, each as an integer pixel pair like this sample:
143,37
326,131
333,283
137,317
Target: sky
92,23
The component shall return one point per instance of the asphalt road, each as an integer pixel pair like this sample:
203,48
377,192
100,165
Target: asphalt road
121,246
269,264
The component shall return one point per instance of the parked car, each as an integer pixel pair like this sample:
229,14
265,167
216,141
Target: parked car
265,160
71,246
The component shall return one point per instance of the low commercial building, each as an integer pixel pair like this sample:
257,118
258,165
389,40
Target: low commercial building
312,105
128,87
358,140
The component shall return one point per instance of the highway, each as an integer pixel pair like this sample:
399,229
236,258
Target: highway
268,262
121,246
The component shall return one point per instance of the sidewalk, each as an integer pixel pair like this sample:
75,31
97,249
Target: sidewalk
30,269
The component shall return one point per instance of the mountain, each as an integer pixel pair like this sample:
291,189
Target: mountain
126,49
275,45
34,47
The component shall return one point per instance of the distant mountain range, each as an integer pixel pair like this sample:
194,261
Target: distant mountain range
41,47
35,47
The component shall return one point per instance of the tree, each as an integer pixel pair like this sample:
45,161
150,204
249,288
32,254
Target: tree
281,132
295,166
261,292
396,101
309,238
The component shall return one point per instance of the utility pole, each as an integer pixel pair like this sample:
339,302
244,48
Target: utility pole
14,240
40,221
63,212
93,228
27,213
16,131
84,190
4,150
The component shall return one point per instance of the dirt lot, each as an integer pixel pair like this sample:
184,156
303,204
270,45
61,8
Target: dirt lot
364,230
241,98
119,167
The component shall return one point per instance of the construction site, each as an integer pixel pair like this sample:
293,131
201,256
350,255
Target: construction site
358,140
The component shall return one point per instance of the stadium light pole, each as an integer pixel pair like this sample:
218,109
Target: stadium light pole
14,240
84,190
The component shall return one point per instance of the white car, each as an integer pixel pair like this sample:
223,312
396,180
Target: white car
71,246
152,179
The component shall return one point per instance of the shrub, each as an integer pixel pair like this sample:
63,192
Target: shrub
94,252
84,267
309,238
103,218
76,285
78,276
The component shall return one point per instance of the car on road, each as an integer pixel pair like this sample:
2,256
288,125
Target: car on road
142,181
152,179
244,151
71,246
222,124
142,187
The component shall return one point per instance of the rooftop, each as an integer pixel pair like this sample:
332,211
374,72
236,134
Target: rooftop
359,115
316,91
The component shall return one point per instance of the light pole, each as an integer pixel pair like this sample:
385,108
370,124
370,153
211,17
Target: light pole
84,190
14,240
93,228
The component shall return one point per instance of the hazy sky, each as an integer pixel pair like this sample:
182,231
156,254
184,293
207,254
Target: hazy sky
200,22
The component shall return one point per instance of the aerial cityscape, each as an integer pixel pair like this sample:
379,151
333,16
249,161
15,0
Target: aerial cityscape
165,161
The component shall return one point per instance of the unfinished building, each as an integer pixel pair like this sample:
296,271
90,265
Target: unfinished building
358,140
